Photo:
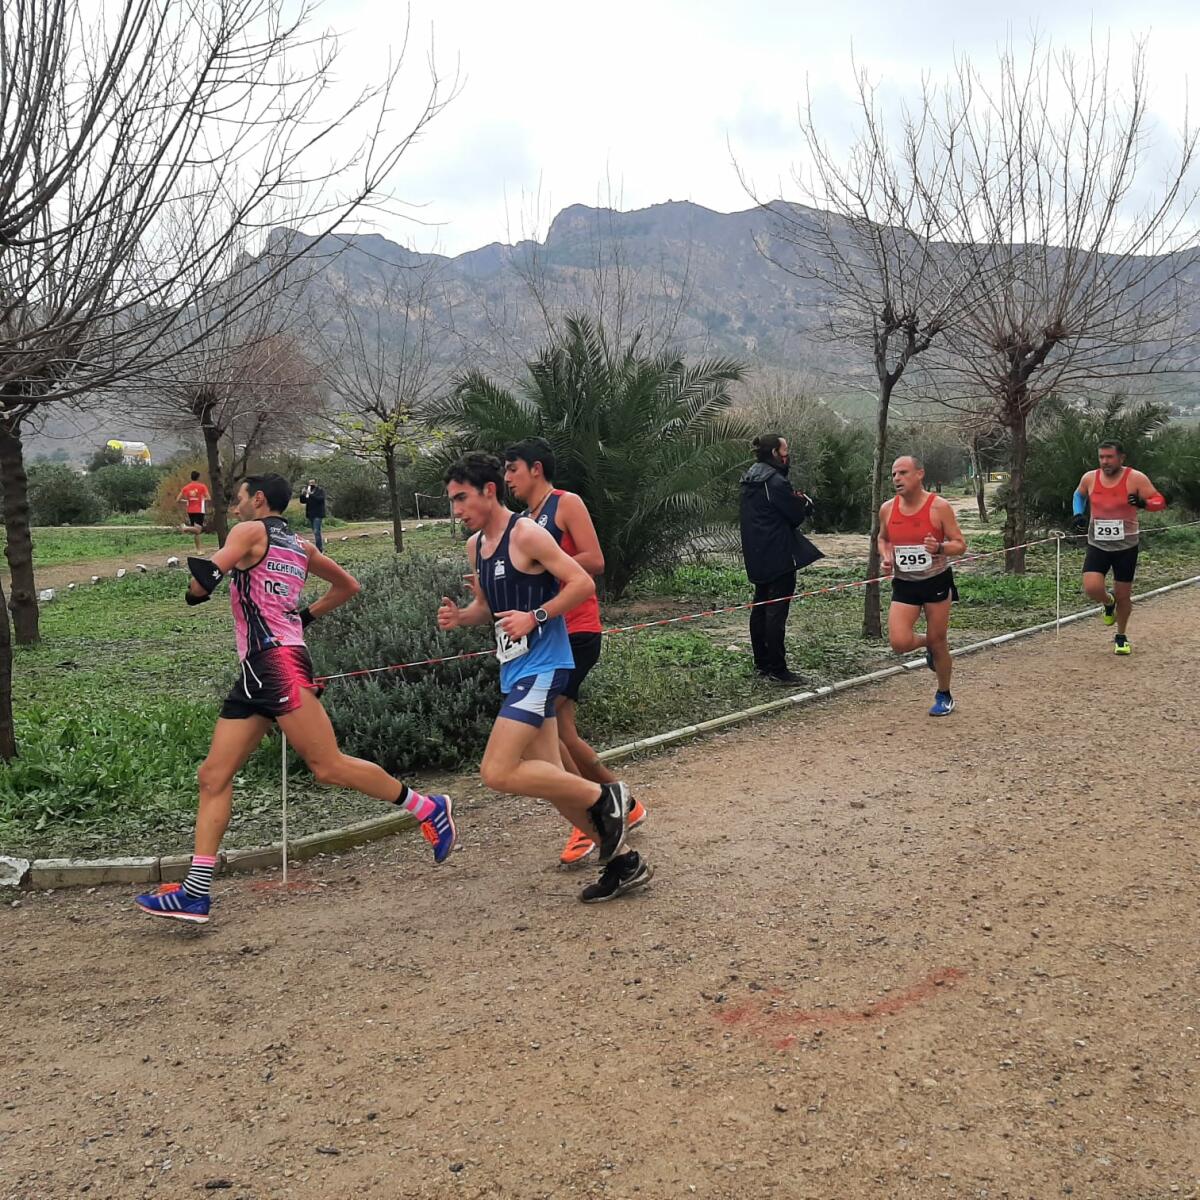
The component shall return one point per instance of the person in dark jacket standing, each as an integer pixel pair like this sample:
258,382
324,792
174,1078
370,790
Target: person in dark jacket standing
771,511
313,497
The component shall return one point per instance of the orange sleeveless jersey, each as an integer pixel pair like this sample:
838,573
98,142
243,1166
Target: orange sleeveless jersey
907,534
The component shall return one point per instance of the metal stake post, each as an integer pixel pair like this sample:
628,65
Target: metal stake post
284,778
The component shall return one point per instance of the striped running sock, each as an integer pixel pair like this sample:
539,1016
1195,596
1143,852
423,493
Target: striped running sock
199,878
420,806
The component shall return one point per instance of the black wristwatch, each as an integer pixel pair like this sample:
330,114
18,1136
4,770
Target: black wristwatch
541,616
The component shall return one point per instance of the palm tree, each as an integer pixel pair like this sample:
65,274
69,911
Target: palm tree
647,440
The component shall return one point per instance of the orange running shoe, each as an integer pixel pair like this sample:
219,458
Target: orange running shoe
637,814
578,847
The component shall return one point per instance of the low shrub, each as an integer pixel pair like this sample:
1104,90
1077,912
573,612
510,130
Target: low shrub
429,718
59,495
126,489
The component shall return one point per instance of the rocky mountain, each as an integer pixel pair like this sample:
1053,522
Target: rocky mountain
679,270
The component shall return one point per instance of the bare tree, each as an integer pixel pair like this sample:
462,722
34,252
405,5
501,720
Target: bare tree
871,247
114,119
1076,263
388,351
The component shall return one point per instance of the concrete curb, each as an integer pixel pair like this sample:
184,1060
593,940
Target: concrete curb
46,873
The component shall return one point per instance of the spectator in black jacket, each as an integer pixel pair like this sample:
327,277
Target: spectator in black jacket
771,511
313,497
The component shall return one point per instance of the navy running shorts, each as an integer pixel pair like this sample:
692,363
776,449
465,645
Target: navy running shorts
1122,563
531,699
586,649
271,684
919,592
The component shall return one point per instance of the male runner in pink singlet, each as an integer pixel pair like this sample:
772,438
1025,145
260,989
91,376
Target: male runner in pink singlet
268,566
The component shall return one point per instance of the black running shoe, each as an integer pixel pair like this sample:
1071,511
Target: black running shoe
608,816
929,659
625,872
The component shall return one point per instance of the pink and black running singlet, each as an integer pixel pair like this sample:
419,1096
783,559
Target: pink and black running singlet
276,668
266,596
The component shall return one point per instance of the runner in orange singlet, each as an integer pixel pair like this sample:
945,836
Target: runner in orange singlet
917,530
1114,493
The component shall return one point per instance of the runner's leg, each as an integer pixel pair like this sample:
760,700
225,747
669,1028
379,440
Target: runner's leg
1094,587
310,731
233,742
937,625
1124,595
584,759
523,759
902,631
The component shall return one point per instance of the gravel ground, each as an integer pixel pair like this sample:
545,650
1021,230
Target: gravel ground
882,956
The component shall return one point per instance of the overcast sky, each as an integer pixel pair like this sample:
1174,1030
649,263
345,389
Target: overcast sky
564,103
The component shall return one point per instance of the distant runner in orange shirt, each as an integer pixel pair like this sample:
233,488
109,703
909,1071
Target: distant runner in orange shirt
197,498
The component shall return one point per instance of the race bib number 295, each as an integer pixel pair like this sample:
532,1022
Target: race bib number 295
912,558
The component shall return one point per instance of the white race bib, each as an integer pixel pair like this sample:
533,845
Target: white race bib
1108,530
509,648
912,558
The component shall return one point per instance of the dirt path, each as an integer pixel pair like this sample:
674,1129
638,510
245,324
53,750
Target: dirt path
883,957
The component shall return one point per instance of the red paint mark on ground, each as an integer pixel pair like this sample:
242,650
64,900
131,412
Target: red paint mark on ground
768,1018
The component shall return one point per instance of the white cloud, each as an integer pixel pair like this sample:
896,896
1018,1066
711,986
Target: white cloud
557,99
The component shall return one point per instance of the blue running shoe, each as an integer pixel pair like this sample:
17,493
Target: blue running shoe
943,705
172,901
438,829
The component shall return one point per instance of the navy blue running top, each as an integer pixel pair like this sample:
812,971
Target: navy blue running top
506,589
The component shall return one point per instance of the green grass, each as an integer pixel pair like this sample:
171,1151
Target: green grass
115,706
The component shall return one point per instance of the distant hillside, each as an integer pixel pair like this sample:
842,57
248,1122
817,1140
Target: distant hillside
685,267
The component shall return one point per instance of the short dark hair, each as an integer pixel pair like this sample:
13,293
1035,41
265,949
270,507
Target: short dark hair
1111,444
195,475
478,469
532,450
765,445
276,490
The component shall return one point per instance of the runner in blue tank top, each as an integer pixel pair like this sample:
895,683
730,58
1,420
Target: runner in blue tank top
523,584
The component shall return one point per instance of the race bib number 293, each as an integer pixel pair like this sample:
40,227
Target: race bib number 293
1108,531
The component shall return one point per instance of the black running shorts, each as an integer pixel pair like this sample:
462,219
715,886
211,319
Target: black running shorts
270,684
1122,563
586,649
919,592
196,519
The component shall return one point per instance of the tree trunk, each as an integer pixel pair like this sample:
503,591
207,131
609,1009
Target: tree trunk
19,551
1014,520
872,626
977,476
8,733
393,487
212,450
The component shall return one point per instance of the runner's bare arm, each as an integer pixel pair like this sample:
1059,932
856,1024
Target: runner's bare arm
953,542
885,546
342,585
1144,494
574,518
450,616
